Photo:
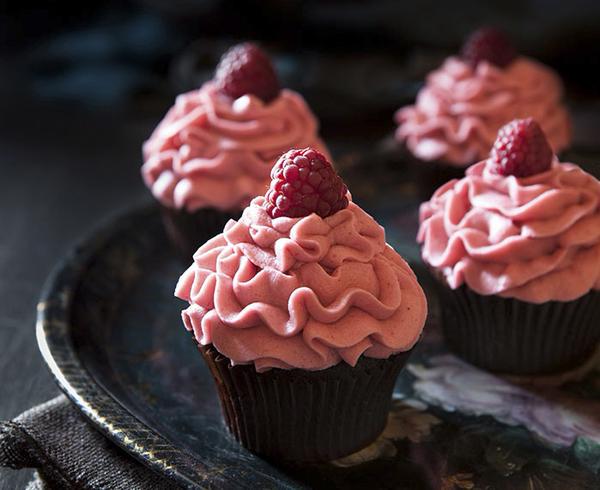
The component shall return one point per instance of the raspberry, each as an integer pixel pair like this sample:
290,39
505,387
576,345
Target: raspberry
304,182
245,69
488,44
521,149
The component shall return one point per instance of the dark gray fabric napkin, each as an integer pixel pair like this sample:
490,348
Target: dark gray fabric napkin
68,453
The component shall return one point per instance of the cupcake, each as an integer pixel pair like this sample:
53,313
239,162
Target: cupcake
515,245
463,104
213,151
304,315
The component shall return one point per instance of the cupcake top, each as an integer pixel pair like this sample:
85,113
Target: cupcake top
216,145
463,103
306,282
520,224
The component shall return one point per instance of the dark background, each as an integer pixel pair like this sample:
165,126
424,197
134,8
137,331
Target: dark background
82,84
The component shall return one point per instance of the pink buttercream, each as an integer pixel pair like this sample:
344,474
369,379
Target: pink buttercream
457,114
536,238
302,292
211,152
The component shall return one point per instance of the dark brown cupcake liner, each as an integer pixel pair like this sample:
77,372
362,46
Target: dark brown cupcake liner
509,336
188,231
305,416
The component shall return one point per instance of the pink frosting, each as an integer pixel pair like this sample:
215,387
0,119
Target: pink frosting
211,152
457,114
302,292
536,238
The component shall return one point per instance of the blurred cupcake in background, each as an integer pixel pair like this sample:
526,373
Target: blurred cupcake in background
463,104
515,245
214,150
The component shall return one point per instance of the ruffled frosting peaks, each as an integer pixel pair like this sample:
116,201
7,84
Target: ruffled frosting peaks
211,152
302,292
458,112
536,239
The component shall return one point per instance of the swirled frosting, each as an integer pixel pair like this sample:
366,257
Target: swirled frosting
536,238
211,152
458,112
302,293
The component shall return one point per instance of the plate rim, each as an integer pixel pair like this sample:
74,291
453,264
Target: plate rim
53,334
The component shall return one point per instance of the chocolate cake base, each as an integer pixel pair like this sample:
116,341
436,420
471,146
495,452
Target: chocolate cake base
509,336
305,416
188,231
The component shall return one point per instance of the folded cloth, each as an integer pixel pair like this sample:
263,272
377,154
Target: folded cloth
68,453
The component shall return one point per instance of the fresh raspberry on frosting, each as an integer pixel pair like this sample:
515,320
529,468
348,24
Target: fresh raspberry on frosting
488,44
521,149
304,182
246,70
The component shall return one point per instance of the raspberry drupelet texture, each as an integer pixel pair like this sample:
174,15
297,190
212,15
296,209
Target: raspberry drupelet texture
521,149
245,69
304,182
488,44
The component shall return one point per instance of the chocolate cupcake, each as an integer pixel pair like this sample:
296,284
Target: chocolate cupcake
214,150
463,104
515,245
304,315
